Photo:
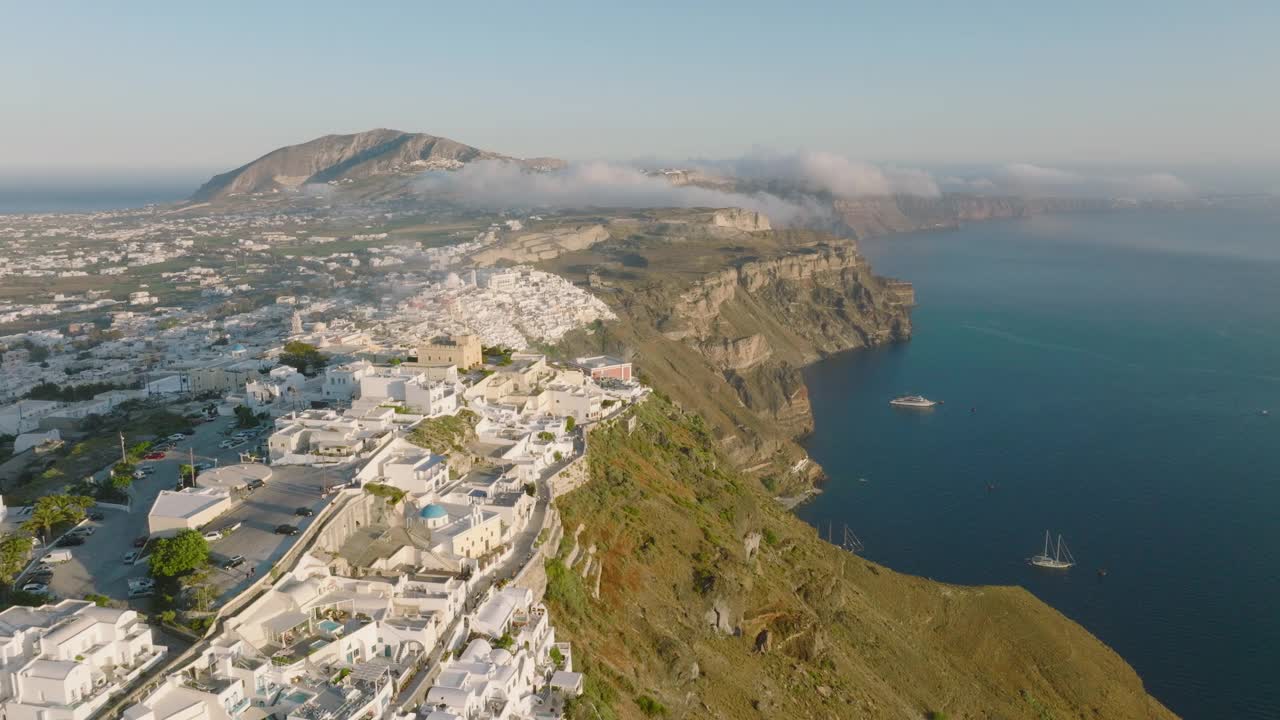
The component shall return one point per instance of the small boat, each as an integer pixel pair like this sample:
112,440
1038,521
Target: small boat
1061,558
912,401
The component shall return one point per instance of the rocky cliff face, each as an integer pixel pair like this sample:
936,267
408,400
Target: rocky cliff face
724,320
532,247
871,216
740,219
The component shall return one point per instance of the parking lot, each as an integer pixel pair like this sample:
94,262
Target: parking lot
98,565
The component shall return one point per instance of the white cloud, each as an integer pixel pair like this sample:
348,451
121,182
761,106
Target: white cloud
832,173
497,185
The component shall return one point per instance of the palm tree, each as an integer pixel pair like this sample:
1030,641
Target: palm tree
51,510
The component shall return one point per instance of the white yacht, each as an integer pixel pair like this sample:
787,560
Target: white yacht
913,401
1061,558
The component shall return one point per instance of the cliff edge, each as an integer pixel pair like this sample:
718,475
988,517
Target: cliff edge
687,592
724,318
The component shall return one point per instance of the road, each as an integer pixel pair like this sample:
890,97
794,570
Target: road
260,512
98,567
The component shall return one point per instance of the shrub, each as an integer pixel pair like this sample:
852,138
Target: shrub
650,707
564,588
393,495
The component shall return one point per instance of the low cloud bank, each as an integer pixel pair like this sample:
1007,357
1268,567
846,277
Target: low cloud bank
831,173
797,183
495,184
1028,180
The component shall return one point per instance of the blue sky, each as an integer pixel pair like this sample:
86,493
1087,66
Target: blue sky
212,85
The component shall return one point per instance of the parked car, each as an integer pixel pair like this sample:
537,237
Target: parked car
155,455
69,541
140,541
141,593
188,432
233,563
43,567
236,443
287,530
227,444
83,531
142,582
35,587
202,466
304,512
256,483
95,515
212,535
131,557
57,556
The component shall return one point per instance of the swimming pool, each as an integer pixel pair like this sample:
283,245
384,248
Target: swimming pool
329,626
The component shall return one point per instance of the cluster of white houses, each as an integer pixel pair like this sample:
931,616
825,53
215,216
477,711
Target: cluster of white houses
64,661
381,588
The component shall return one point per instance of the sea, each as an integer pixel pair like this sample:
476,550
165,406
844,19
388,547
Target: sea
1103,377
42,194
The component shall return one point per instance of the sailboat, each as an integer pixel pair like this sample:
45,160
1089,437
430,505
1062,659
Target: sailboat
1061,558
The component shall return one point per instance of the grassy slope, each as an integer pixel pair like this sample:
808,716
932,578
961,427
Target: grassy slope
849,638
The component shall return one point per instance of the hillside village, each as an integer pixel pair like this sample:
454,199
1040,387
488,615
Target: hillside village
358,489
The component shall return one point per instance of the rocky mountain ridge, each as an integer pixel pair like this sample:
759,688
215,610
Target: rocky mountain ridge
348,158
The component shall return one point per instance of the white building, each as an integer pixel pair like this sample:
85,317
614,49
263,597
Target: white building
410,388
186,509
406,466
342,382
310,437
66,661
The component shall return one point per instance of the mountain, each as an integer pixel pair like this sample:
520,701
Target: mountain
353,157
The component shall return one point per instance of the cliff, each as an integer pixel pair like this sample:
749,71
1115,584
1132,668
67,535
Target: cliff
723,320
700,597
872,216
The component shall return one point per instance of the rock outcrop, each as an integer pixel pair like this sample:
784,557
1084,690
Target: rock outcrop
532,247
740,219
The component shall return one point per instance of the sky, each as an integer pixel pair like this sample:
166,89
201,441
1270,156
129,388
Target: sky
1140,87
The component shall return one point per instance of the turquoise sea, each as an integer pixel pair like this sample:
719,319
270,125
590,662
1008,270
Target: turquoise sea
1105,377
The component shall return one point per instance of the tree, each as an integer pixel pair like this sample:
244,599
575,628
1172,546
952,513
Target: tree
570,424
546,436
187,473
182,553
14,550
51,510
303,357
245,417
